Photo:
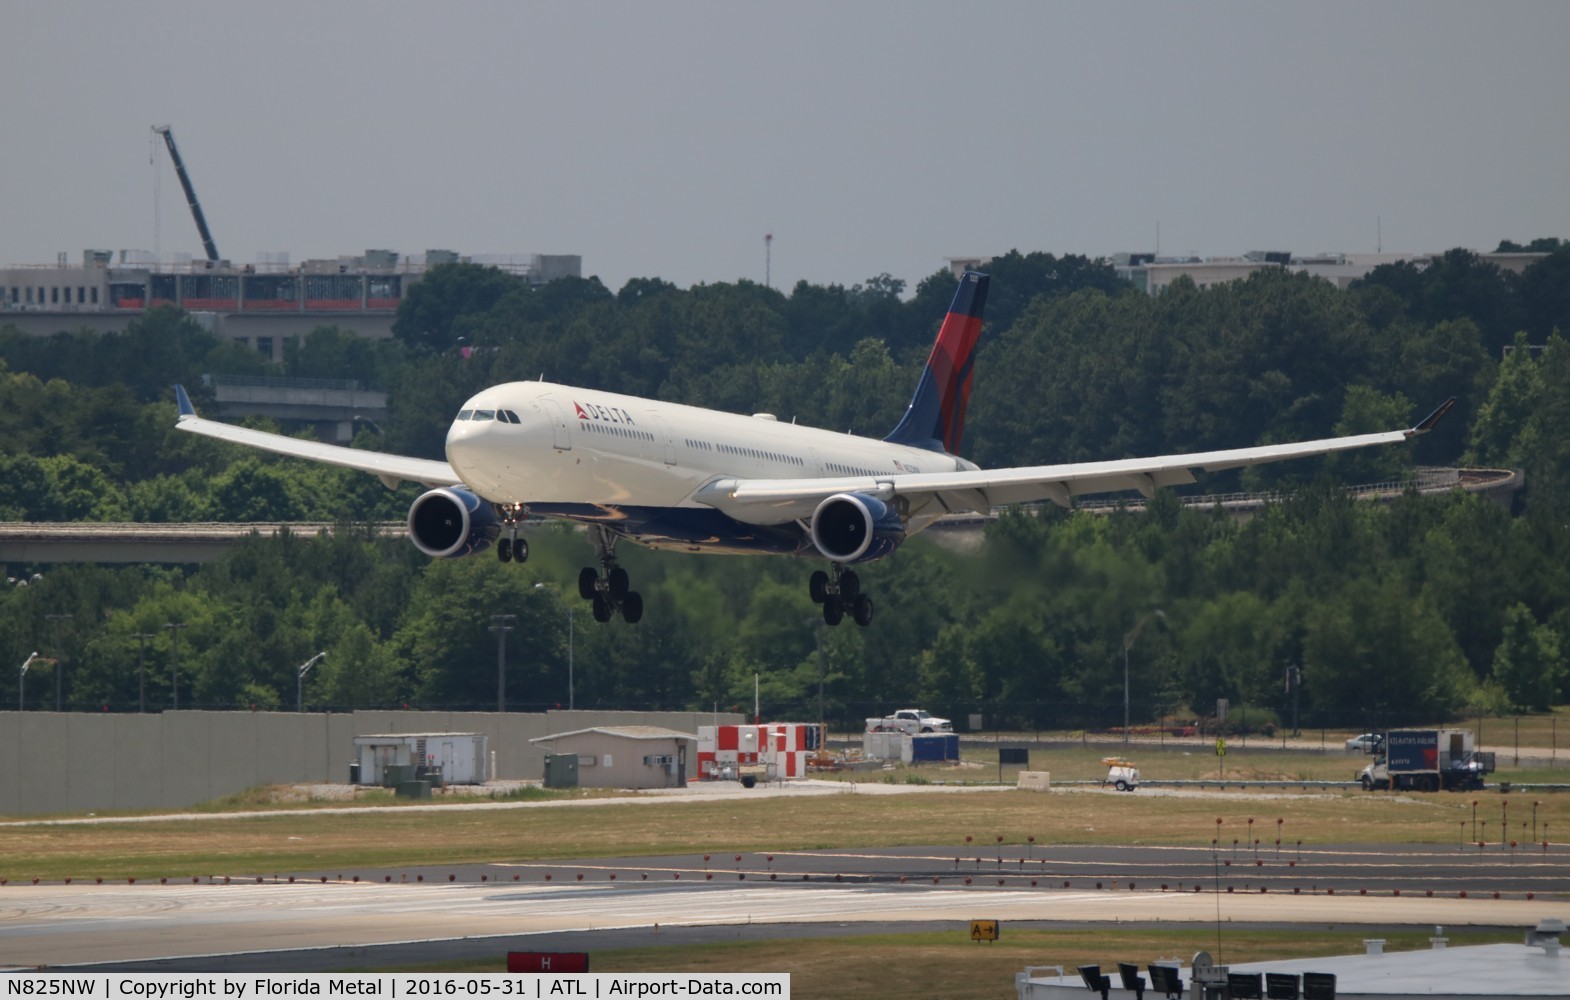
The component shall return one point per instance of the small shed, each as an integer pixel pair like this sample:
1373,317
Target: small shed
625,756
454,758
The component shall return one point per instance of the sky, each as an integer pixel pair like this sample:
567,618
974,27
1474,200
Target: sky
870,136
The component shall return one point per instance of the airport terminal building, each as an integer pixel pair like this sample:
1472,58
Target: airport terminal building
260,304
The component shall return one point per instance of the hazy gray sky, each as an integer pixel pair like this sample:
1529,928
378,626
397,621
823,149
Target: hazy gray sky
665,139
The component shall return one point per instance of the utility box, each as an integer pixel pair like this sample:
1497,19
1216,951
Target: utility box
394,775
440,758
413,790
561,770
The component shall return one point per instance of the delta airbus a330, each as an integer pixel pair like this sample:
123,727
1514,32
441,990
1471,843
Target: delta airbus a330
672,476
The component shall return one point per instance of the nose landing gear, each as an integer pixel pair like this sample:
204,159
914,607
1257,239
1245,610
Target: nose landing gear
511,548
839,594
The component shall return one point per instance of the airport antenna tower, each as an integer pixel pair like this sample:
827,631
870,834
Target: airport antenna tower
768,251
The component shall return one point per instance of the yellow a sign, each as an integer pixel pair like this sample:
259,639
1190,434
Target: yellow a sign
984,930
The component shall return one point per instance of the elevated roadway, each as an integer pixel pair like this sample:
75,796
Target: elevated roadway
36,543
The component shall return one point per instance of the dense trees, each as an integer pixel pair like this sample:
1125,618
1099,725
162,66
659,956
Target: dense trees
1412,611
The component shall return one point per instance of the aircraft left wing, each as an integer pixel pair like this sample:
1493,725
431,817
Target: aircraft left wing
934,493
390,469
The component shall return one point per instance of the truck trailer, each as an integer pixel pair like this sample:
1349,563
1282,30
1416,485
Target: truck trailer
1426,760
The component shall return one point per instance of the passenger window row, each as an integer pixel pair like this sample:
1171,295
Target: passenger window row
616,430
846,470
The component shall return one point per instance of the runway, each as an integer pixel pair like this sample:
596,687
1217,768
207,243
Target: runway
342,918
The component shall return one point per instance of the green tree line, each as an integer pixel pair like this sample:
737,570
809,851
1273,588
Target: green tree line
1430,607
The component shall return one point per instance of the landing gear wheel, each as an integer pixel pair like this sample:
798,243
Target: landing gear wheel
503,551
520,550
587,578
833,610
850,584
632,608
603,609
619,581
861,610
818,586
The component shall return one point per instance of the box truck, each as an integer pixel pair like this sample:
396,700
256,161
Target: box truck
1426,760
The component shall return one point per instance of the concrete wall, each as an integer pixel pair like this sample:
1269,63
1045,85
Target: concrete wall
68,762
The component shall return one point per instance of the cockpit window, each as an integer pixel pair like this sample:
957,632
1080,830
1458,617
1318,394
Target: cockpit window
512,418
484,415
464,414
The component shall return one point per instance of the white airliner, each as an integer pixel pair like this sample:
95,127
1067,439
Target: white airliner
680,477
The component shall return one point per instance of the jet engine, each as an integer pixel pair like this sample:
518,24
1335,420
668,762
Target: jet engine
854,527
450,522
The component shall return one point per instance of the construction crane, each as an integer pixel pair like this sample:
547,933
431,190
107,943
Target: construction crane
190,193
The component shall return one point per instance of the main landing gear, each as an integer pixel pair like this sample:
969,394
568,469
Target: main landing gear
511,548
840,593
610,593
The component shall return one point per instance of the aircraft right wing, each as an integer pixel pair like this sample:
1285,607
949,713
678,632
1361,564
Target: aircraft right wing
980,490
390,469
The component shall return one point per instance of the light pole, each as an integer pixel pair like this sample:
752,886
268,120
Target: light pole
21,678
299,679
817,625
1128,641
501,625
59,671
141,668
174,663
1294,682
541,586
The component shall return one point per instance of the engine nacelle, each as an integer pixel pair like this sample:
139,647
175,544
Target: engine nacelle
450,522
854,527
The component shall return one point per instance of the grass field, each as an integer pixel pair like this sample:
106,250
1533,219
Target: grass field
1548,732
230,838
315,841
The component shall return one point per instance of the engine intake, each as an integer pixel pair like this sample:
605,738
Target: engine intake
450,522
855,527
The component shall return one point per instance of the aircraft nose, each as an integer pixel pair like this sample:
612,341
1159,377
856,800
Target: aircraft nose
489,450
463,440
471,438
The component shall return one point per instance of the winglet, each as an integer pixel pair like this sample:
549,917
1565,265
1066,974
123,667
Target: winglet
1427,423
184,401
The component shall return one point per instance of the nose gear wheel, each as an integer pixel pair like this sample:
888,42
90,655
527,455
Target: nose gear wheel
511,548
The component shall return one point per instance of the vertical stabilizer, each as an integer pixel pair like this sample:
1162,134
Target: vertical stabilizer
935,419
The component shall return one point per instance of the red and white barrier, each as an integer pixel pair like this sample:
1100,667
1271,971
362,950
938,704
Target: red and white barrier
781,747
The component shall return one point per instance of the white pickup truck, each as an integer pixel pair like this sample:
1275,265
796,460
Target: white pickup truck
909,720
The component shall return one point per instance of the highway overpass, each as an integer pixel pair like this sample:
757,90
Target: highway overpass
34,543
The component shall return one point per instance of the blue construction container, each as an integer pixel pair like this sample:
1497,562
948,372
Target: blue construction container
930,747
